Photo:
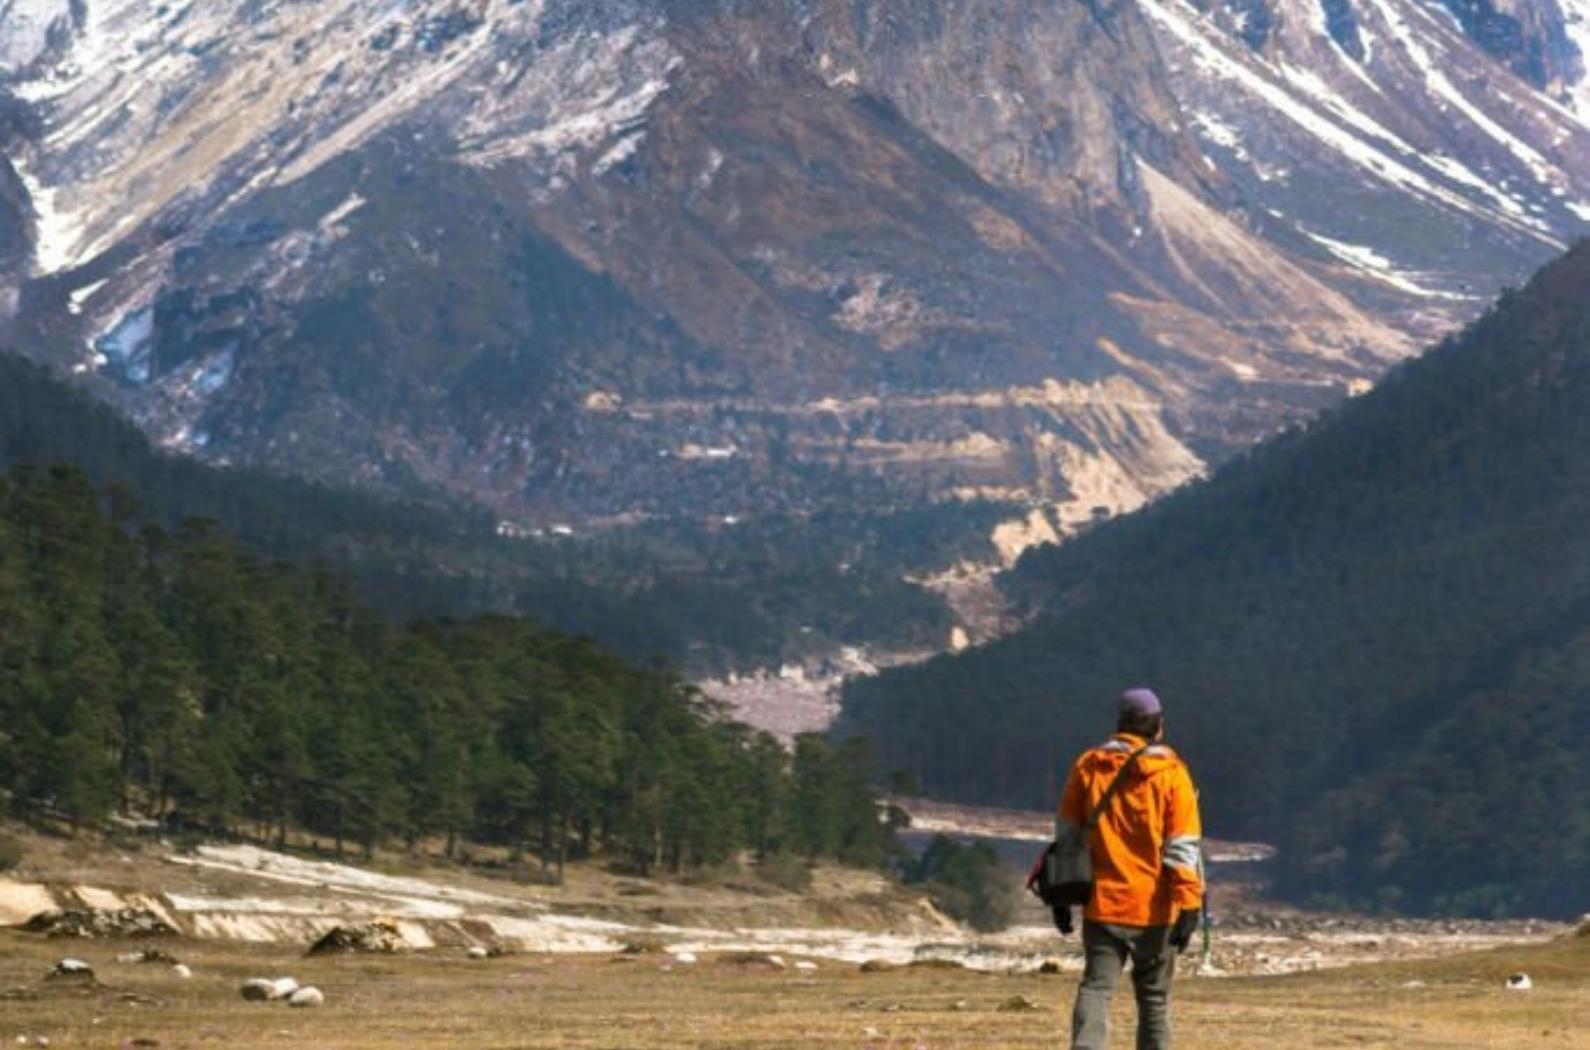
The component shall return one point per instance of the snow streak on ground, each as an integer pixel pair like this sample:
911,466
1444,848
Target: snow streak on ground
295,871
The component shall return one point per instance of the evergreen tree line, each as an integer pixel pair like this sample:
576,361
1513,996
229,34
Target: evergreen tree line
177,675
760,593
1371,634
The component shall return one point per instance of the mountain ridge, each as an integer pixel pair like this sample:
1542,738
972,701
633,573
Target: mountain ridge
785,205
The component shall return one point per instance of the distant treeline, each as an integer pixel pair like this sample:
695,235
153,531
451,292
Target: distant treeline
758,593
175,674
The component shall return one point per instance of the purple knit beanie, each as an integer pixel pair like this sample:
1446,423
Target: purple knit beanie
1140,702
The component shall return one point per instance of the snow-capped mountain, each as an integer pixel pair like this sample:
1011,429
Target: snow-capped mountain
601,259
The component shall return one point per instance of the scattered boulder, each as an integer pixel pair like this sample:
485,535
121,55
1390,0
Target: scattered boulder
1050,966
306,998
488,951
1017,1004
686,958
148,955
257,990
878,966
70,970
266,990
936,964
379,936
752,961
181,972
1519,982
100,922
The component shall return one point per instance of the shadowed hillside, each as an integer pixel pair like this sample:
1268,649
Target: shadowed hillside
1373,634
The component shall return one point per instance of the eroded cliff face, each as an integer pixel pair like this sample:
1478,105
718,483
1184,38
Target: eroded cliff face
601,261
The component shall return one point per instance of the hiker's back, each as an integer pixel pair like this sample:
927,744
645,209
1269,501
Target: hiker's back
1147,830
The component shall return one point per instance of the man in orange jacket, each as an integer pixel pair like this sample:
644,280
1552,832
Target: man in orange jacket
1147,868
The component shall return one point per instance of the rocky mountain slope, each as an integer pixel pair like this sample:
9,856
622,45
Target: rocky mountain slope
596,262
1370,632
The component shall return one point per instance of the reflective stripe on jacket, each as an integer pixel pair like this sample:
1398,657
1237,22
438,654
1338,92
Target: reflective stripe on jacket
1147,846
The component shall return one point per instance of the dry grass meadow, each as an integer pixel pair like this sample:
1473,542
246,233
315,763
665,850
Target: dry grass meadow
648,1002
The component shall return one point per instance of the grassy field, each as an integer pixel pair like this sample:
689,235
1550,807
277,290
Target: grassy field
648,1002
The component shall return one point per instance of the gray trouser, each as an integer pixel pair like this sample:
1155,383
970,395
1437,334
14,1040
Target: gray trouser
1153,965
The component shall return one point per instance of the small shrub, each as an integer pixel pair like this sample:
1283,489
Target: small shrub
786,871
966,882
10,853
718,875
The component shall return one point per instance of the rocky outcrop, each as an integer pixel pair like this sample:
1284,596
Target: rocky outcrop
378,936
90,922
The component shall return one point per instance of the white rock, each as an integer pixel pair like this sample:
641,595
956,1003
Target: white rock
307,997
688,958
73,966
182,971
283,987
1413,984
1519,982
477,952
805,964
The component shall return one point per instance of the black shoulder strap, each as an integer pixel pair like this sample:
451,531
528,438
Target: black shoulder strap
1109,792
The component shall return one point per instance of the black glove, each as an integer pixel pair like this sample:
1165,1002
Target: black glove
1181,934
1062,918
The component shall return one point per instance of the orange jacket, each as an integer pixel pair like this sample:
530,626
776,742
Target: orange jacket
1147,859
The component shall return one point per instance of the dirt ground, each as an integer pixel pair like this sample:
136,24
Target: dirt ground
653,1001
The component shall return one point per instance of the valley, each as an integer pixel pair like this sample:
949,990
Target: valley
543,486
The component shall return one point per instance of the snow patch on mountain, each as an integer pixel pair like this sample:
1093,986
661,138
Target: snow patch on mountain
145,107
1257,78
1576,24
29,27
585,91
1443,88
1375,265
57,234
